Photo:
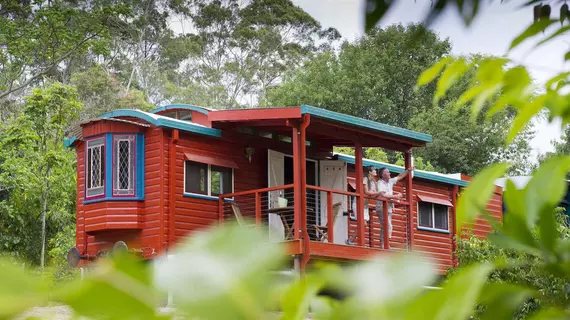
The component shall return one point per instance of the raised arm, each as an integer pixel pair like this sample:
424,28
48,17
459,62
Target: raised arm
404,174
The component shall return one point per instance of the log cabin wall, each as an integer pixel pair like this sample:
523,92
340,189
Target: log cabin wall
195,212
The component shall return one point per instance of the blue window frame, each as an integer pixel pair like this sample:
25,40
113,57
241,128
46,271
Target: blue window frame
114,167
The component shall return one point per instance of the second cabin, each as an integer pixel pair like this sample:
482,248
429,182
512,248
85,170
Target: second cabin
151,178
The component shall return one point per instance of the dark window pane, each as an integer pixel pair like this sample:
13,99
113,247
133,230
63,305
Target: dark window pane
102,166
185,115
440,214
124,165
425,215
171,114
221,180
196,178
89,173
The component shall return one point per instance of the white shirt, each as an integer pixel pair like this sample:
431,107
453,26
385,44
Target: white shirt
388,188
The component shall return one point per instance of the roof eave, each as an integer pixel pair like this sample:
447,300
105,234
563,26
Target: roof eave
418,138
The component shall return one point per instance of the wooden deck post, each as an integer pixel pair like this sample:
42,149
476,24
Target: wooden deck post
175,136
330,218
296,183
454,235
258,210
360,190
409,195
385,231
303,159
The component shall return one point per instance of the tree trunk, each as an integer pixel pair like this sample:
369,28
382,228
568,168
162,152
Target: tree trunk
44,210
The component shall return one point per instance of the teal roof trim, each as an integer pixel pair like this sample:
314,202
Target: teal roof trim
417,173
68,142
180,106
367,124
161,121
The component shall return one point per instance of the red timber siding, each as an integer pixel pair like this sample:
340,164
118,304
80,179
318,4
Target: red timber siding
194,213
135,222
481,227
156,190
436,245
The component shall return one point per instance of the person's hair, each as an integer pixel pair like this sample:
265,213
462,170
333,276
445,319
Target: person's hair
381,171
367,170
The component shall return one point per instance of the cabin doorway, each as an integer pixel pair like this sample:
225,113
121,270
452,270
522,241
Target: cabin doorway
333,176
311,175
280,172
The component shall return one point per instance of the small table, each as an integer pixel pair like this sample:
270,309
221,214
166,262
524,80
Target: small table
287,223
281,212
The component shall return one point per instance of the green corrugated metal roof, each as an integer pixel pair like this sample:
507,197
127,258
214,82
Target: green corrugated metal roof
367,124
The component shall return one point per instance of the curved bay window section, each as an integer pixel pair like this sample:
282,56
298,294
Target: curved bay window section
114,167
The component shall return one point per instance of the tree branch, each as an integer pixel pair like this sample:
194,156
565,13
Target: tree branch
46,69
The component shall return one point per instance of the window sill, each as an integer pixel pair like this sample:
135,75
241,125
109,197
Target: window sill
113,199
434,230
204,197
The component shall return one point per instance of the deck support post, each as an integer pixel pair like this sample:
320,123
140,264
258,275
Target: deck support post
296,183
454,194
303,178
360,190
330,218
385,232
409,195
171,190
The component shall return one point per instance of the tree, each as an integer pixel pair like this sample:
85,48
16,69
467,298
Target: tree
372,78
100,92
561,147
238,50
377,154
463,145
35,169
36,37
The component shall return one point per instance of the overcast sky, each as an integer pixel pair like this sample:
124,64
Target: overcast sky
491,33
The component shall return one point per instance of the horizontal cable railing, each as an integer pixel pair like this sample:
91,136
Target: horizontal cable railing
330,216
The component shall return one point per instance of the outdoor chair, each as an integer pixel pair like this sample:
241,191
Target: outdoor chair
323,231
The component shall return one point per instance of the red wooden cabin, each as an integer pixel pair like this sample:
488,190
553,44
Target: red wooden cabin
150,178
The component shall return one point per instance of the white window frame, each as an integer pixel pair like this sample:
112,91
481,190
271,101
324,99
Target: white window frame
209,181
130,191
100,189
433,228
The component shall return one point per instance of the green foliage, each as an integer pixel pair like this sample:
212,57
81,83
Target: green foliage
37,36
463,145
379,155
523,269
418,163
241,49
369,78
37,175
222,274
530,246
58,246
375,154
